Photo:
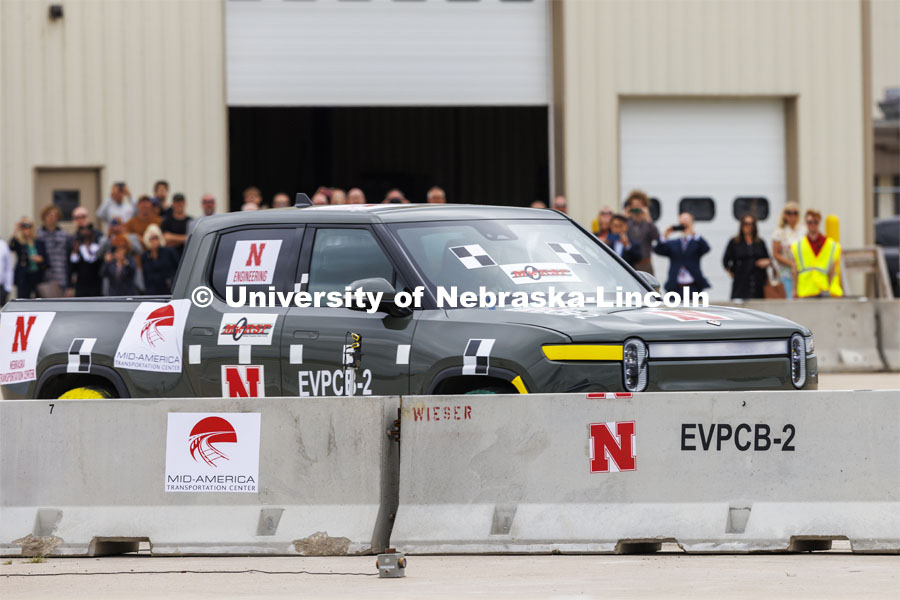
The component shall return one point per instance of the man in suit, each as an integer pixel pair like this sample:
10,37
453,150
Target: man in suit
684,249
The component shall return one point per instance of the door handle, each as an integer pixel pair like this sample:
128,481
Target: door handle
203,331
305,335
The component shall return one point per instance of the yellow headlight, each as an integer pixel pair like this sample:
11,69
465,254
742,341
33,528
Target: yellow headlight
583,352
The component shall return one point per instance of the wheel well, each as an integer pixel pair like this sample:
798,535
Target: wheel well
57,386
467,383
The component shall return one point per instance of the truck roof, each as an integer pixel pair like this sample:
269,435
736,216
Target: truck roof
371,213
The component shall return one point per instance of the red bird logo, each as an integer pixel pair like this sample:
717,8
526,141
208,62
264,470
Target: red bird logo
207,432
163,316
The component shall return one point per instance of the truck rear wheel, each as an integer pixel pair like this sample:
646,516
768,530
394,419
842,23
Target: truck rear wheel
86,393
494,389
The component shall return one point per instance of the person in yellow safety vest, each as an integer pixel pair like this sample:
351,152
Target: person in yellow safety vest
815,262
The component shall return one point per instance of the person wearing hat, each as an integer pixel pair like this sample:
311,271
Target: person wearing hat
175,227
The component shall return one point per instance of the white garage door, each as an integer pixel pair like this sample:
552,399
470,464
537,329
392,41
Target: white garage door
387,52
707,155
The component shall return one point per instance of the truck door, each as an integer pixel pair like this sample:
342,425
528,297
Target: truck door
314,339
235,352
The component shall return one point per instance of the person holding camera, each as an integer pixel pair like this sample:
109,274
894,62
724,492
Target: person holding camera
31,259
84,261
684,249
119,268
621,244
641,229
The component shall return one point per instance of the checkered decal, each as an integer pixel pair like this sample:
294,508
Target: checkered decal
567,253
80,355
473,256
476,358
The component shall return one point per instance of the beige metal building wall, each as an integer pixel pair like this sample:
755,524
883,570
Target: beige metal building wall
885,48
135,88
811,50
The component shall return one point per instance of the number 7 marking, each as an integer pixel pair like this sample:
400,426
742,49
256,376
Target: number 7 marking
51,408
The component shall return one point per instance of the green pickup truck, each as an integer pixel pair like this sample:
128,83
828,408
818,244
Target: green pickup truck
172,346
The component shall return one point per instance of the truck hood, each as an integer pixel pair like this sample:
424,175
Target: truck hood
599,324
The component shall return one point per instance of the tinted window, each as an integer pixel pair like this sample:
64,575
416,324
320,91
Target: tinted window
887,231
341,256
703,209
256,258
751,205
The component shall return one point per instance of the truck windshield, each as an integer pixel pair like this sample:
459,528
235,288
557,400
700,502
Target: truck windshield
512,255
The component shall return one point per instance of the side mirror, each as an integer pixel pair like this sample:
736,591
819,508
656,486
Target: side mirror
375,285
650,280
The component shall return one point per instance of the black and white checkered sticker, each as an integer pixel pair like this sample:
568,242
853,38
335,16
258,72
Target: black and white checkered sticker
80,355
567,253
473,256
476,358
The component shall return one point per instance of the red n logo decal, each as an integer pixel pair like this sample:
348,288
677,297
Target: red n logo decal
22,333
618,446
236,387
256,252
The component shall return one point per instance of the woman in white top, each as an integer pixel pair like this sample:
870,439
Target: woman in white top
787,233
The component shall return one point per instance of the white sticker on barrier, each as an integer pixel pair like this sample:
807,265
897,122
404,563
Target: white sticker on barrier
243,381
21,336
152,340
253,262
212,452
613,447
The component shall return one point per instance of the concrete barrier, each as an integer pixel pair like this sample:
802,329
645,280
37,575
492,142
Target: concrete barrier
714,472
845,330
311,476
887,312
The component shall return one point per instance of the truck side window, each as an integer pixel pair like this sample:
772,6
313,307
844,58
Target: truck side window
256,258
341,256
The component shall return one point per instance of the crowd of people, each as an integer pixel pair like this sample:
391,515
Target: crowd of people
802,264
135,246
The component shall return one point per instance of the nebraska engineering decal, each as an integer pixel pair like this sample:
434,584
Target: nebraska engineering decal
238,329
21,336
152,340
243,381
612,447
539,273
253,262
212,452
